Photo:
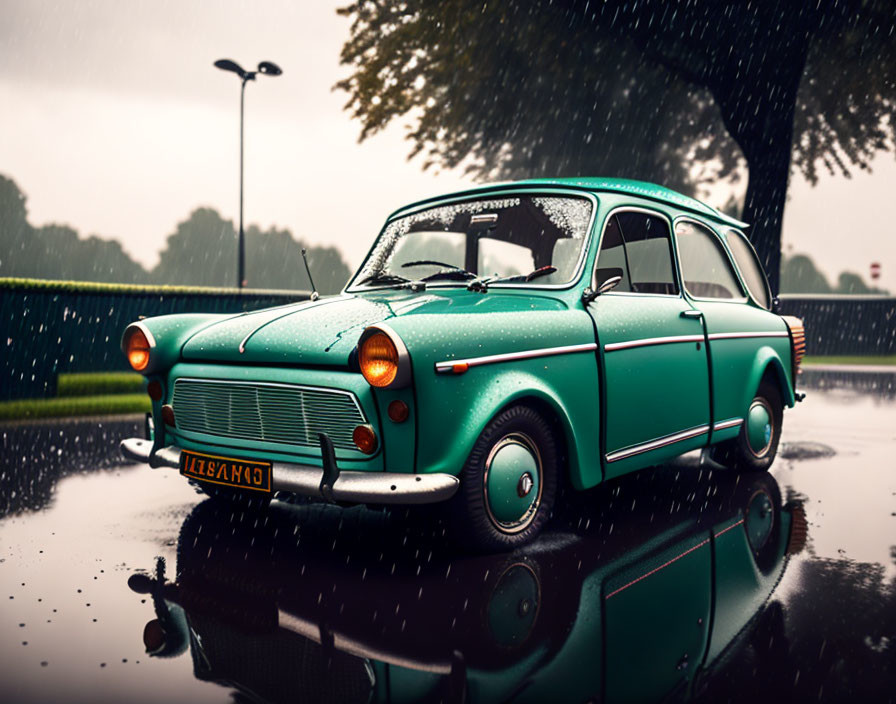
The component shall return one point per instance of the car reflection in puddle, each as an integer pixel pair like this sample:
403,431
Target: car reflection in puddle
639,600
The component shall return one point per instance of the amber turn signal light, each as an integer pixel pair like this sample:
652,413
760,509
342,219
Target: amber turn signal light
398,411
364,437
168,415
378,359
155,391
137,350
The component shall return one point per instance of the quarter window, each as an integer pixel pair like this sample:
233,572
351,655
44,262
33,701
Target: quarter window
705,266
637,247
750,268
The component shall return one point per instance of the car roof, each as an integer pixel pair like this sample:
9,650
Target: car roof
643,189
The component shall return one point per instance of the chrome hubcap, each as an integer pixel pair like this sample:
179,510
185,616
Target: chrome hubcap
512,483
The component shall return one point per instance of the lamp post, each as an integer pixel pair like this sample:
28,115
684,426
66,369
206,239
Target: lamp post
266,68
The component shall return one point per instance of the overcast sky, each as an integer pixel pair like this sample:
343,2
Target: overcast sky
115,122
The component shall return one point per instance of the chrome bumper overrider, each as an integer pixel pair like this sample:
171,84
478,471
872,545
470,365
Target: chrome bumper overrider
354,487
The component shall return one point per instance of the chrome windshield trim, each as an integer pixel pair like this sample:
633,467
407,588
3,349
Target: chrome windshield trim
648,341
657,444
448,365
731,423
743,335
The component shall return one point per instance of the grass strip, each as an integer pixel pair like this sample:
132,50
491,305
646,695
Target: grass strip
98,383
108,404
881,359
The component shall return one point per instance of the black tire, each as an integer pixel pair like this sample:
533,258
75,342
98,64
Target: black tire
472,523
738,453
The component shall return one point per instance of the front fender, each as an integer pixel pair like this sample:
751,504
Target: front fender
565,386
167,334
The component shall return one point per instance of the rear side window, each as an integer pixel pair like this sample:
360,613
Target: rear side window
705,267
637,247
750,268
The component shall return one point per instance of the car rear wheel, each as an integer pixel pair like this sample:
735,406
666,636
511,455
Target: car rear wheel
508,483
756,444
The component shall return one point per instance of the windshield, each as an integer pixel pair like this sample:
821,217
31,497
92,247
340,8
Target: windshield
530,240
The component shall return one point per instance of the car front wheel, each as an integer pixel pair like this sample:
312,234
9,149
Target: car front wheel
507,484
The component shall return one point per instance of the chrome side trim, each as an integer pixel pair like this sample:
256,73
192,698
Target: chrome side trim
656,444
743,335
648,341
448,366
733,422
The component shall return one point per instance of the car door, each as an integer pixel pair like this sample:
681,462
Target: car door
655,380
735,329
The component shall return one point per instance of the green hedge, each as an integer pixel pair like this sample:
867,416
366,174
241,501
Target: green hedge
94,287
99,383
53,328
74,406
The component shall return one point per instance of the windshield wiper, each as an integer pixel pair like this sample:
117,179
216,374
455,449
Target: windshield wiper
542,271
451,273
384,278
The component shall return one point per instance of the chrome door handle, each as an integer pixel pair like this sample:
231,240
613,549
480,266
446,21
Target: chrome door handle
691,313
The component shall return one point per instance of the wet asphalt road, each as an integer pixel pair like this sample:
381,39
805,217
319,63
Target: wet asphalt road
315,603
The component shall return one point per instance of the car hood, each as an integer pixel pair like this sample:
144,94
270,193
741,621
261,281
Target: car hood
324,332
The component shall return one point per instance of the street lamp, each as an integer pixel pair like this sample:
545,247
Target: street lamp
266,68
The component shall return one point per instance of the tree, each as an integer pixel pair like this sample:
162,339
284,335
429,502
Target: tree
800,275
56,251
202,252
667,91
274,260
15,232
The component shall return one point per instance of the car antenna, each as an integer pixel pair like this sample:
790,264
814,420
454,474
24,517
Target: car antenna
314,294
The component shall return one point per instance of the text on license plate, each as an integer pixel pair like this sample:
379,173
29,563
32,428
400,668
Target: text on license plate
242,474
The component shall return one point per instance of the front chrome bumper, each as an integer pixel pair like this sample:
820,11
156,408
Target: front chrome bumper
352,487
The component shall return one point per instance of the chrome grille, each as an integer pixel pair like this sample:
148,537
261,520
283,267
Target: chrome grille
282,413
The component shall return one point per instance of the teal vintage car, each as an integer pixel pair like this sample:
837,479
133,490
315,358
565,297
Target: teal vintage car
495,345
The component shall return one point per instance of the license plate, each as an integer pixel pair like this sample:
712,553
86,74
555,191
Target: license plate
227,471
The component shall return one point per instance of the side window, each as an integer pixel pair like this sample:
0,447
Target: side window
637,247
705,266
750,268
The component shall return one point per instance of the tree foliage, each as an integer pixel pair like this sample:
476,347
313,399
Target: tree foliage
673,92
799,274
201,252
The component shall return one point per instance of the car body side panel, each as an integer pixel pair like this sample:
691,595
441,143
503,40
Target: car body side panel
455,408
655,390
736,360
